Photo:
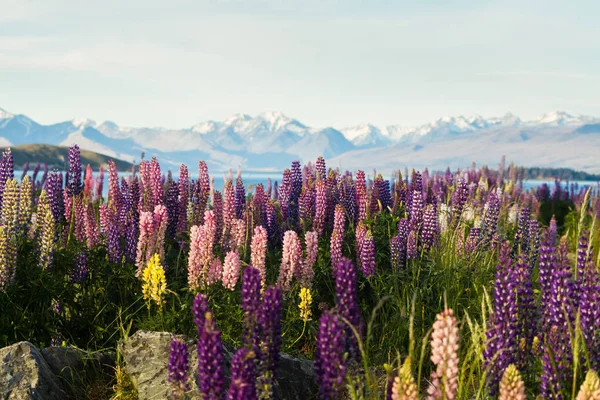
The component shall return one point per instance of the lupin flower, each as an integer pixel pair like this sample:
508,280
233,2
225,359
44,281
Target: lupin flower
444,354
272,224
522,236
46,224
54,193
74,185
231,270
305,303
321,168
459,198
25,203
411,245
240,197
367,255
100,183
218,213
178,368
430,227
306,274
330,363
492,213
269,324
215,271
404,386
291,260
259,251
184,193
80,270
590,389
285,193
238,234
88,185
360,233
154,284
172,205
335,249
210,351
251,287
511,385
242,385
347,302
6,264
320,207
361,195
229,213
203,191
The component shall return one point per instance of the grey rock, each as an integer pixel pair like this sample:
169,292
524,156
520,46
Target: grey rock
146,356
25,375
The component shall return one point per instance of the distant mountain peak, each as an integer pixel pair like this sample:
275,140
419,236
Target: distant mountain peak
561,118
5,114
83,122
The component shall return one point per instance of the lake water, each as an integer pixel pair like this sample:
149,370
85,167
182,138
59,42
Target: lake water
253,179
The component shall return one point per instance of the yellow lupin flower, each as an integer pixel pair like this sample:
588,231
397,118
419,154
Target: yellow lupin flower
155,283
305,303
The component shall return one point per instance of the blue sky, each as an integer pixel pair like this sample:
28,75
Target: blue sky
326,63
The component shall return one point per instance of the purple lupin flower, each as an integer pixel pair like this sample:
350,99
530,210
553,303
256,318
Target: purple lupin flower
347,302
459,198
242,385
184,193
260,205
80,270
55,196
210,357
296,177
348,197
285,192
430,227
240,198
272,224
367,255
473,240
269,323
251,286
306,205
178,368
383,192
503,324
490,220
218,212
552,232
6,170
330,363
522,236
534,241
36,171
172,204
74,185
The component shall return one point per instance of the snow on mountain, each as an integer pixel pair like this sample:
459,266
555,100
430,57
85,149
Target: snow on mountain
272,140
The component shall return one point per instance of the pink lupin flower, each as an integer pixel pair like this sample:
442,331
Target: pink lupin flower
337,237
91,227
155,182
444,354
160,222
231,270
194,257
512,386
144,240
306,274
361,195
79,219
68,200
361,233
114,191
228,205
215,271
259,251
88,182
291,260
320,207
210,229
100,183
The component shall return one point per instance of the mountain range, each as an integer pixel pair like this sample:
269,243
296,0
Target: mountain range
269,142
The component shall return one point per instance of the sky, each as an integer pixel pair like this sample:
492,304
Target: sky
324,62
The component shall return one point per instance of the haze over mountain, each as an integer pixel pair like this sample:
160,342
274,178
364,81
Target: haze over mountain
271,140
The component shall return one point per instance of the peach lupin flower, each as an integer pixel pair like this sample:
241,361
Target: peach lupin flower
259,251
511,385
404,386
291,260
590,389
444,354
231,270
306,273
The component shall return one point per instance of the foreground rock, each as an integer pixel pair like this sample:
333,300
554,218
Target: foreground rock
54,373
146,356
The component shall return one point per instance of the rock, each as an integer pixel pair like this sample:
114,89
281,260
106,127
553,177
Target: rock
25,375
78,367
146,356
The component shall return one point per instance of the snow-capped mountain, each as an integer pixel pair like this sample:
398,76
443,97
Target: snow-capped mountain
271,140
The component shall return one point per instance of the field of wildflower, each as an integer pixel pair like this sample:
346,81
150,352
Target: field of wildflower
446,285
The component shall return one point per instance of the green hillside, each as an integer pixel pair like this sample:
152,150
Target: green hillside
58,157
